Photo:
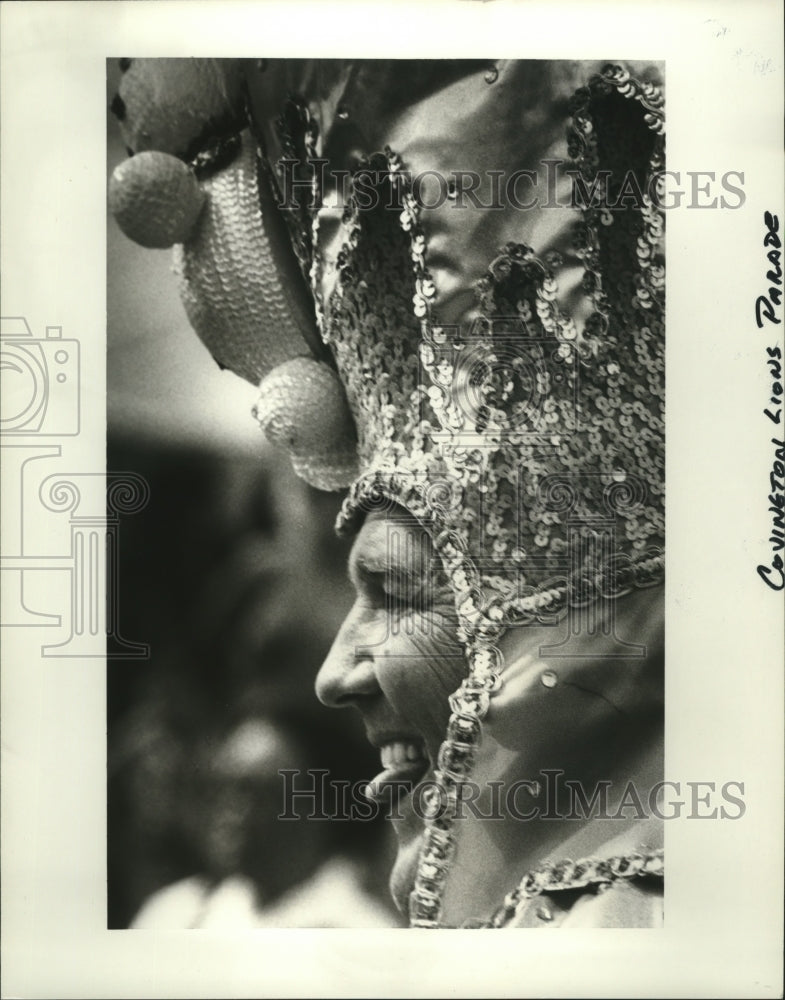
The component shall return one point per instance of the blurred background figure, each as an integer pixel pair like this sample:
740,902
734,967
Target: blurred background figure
212,575
257,870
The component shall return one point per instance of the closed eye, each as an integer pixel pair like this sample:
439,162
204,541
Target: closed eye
393,567
368,584
387,587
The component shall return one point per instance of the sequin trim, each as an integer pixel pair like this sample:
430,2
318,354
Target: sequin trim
566,875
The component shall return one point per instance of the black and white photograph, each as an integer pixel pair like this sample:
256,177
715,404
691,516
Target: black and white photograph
446,281
392,449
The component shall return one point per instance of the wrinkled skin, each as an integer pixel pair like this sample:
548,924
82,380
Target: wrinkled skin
396,660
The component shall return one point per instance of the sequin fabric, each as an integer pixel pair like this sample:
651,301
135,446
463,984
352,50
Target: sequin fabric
530,444
565,876
239,298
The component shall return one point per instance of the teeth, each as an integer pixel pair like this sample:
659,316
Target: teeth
402,760
400,752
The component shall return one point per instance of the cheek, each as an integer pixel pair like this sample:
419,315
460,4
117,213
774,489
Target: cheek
424,664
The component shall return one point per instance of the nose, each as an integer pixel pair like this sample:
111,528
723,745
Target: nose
348,673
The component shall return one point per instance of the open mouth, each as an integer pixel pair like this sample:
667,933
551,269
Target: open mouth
404,763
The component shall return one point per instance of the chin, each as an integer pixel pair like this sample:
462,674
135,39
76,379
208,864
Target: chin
403,874
410,832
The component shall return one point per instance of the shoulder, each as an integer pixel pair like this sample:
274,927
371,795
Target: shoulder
628,904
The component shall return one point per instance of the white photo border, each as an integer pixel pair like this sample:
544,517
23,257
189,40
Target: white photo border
724,78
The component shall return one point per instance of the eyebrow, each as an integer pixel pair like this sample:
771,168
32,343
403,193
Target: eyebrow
370,559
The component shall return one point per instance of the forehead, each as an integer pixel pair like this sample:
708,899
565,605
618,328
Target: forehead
390,538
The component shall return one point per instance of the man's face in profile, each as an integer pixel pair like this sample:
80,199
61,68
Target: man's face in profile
396,660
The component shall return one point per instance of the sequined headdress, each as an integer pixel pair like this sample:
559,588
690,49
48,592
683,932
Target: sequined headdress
518,419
